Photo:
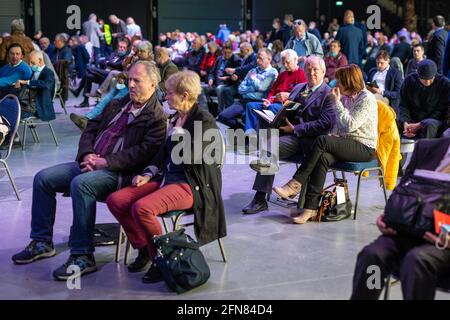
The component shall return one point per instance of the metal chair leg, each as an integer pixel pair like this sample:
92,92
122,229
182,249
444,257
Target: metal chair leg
127,252
166,228
383,185
222,251
357,193
35,134
387,288
119,245
24,136
53,133
11,179
63,104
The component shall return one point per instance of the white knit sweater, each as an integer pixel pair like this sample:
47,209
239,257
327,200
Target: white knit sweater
358,118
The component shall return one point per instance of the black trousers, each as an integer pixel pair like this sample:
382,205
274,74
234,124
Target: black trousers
418,263
326,151
93,75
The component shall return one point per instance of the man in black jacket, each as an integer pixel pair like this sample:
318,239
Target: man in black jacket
417,261
98,75
424,99
114,147
436,45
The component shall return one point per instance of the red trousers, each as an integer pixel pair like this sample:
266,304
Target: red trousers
137,210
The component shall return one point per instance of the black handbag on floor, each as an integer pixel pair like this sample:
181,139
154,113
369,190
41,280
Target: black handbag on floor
181,262
329,210
410,208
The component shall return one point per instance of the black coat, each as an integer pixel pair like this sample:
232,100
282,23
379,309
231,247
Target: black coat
142,138
436,48
45,88
418,102
204,179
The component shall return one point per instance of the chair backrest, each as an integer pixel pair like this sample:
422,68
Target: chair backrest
10,109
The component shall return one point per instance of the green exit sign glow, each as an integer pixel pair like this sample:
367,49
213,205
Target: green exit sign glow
339,3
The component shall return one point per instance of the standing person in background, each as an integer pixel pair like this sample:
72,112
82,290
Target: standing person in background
132,28
91,30
436,45
418,55
17,36
351,39
105,39
118,29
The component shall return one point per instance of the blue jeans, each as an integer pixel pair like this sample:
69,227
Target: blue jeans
98,109
85,189
251,119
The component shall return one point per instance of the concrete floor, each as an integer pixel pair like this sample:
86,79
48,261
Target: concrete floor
269,258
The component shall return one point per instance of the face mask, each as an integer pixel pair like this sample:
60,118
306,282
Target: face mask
333,54
121,54
120,86
35,68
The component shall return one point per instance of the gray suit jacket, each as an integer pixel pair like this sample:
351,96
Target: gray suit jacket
92,30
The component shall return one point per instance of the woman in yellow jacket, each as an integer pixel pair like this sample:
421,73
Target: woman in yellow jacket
388,146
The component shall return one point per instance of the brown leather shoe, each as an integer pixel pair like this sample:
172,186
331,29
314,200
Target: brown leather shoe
307,215
289,190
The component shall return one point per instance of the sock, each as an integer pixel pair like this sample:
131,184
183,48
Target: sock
260,196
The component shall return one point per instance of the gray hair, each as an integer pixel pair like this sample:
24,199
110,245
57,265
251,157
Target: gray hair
17,25
248,46
37,54
151,70
145,45
289,54
316,59
62,37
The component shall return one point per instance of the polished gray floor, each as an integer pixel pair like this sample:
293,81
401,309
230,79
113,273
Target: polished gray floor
269,258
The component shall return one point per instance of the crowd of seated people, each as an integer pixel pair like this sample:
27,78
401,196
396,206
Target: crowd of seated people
336,73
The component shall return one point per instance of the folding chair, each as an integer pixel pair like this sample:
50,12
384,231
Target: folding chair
10,109
31,123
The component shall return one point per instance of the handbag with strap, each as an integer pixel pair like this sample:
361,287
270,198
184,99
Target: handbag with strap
329,208
181,262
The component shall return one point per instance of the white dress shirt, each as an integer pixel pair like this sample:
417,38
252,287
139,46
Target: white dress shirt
380,78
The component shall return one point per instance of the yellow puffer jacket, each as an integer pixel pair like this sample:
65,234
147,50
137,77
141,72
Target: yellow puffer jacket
388,147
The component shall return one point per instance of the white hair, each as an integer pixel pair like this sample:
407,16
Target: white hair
289,54
37,54
316,59
150,68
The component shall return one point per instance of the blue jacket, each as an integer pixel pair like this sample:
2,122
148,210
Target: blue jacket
45,87
82,59
318,113
352,43
393,84
436,47
64,54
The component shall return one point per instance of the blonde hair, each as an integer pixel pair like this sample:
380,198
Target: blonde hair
185,81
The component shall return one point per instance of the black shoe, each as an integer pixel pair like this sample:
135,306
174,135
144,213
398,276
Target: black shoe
255,206
80,122
84,104
34,251
153,275
84,263
141,263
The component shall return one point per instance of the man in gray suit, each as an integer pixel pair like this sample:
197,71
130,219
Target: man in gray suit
91,29
316,117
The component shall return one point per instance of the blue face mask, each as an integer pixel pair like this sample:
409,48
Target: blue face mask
121,54
120,86
35,68
333,54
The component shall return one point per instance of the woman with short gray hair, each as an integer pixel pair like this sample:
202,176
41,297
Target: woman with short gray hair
176,182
